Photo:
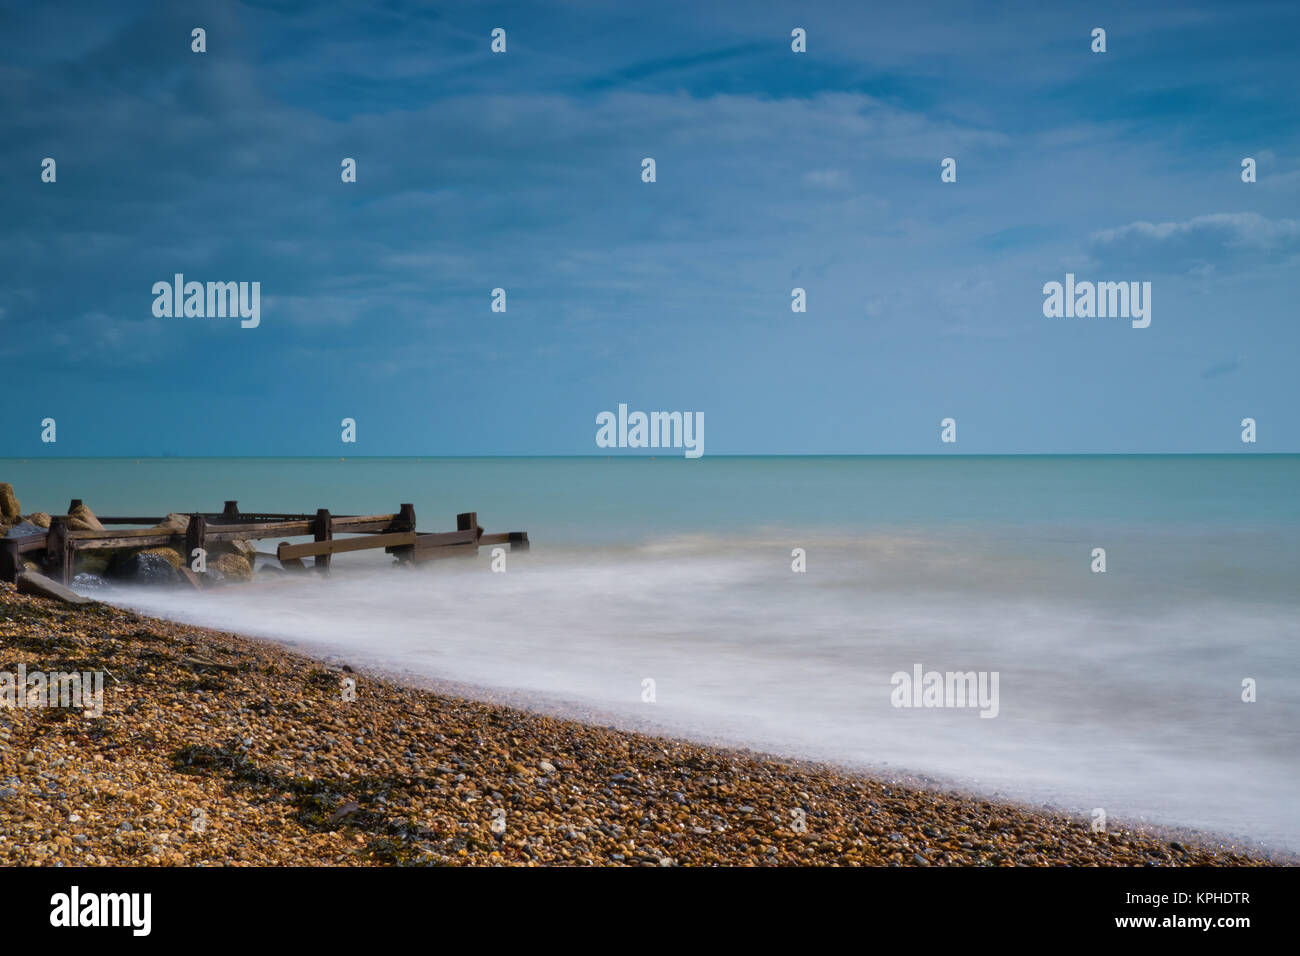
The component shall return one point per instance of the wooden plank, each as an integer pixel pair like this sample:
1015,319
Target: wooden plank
467,550
364,523
266,529
126,537
288,552
443,539
29,542
153,539
116,520
248,517
290,564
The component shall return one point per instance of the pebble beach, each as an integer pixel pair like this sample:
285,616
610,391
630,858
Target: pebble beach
216,749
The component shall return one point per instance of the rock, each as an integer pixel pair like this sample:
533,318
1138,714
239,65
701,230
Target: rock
40,519
271,570
246,548
30,582
82,518
23,529
9,507
546,766
89,582
146,567
234,567
92,562
174,522
7,792
170,555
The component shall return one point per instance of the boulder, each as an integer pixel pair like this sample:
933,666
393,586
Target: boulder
30,582
246,548
170,555
89,582
234,567
40,519
82,518
146,567
92,562
23,529
174,522
9,507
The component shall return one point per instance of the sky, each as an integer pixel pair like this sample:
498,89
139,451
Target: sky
522,170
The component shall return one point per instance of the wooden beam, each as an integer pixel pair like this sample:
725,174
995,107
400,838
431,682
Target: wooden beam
154,539
263,529
29,542
127,538
443,539
518,540
288,552
466,550
356,522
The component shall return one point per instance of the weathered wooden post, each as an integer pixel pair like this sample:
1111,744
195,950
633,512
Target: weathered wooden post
58,549
11,559
404,521
231,510
74,505
195,534
323,530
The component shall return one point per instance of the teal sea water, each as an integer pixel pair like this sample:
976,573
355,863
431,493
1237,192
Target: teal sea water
1120,690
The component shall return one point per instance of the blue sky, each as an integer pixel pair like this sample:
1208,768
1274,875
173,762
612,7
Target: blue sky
522,171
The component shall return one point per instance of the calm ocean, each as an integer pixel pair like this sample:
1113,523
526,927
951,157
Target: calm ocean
1120,690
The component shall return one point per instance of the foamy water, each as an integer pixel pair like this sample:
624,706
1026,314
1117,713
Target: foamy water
1100,704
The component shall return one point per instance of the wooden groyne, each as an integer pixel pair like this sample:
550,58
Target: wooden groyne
191,534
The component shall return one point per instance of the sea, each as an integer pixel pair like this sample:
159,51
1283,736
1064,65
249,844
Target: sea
775,603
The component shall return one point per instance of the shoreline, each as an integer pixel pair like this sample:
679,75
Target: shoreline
219,749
